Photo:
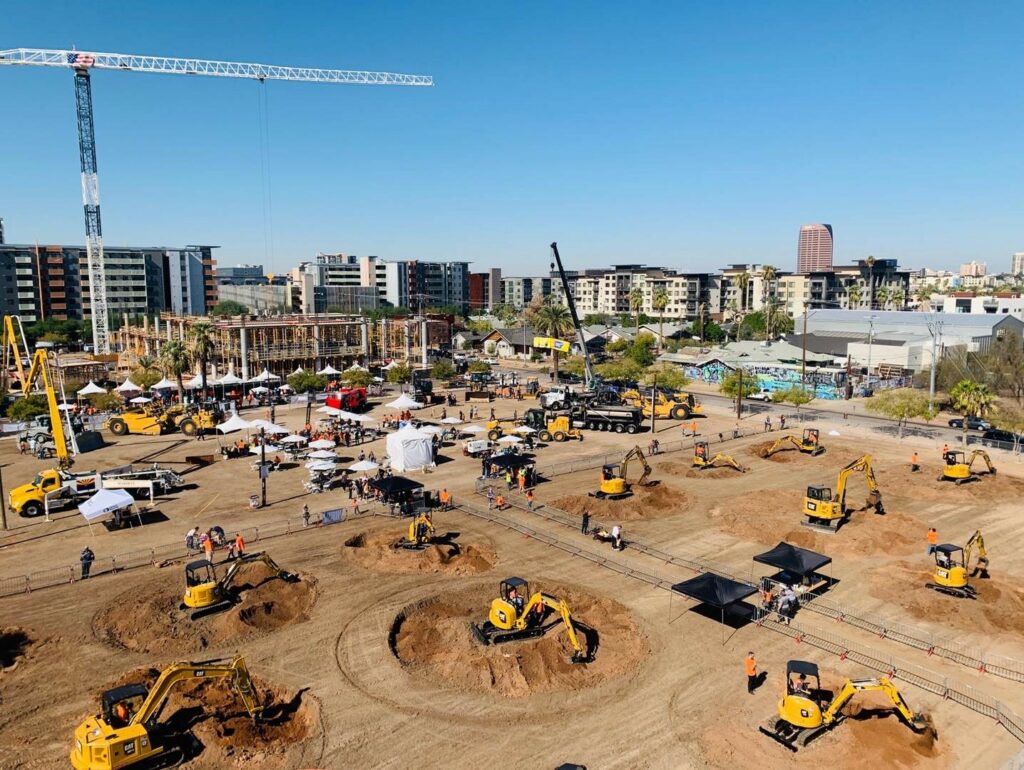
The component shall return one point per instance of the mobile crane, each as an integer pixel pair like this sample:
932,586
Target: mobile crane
825,512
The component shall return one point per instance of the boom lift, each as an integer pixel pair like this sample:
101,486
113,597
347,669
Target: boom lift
825,512
805,711
702,460
127,733
422,533
615,483
206,594
958,467
953,564
807,444
514,617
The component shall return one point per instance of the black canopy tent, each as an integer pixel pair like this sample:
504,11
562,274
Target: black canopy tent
715,591
796,565
510,461
392,487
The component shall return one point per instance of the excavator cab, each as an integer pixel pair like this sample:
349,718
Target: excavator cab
206,594
613,483
958,467
826,512
513,594
953,567
120,704
810,443
702,458
420,535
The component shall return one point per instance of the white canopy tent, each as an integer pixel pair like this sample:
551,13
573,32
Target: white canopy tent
510,440
328,370
321,443
525,429
343,415
269,427
451,421
265,376
259,389
165,384
141,400
405,402
232,424
299,370
363,466
430,430
471,429
106,501
228,379
389,366
357,368
128,387
323,454
409,449
92,389
295,438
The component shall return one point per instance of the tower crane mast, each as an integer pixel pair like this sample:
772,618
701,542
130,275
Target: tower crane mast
82,62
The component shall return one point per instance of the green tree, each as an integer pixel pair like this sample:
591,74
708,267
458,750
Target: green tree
479,327
1010,418
24,409
595,319
898,298
742,283
621,345
730,385
146,374
442,370
176,361
870,262
665,375
901,405
626,369
794,395
105,402
754,325
203,347
533,309
505,312
228,307
641,350
554,321
356,378
853,297
713,332
574,365
971,399
882,297
660,302
307,382
636,304
400,374
478,367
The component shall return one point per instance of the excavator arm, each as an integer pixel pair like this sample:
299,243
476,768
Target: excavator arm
984,456
12,349
780,443
562,609
883,684
976,541
40,368
228,577
234,670
637,454
860,465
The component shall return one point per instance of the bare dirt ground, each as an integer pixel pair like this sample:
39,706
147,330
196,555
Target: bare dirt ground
670,693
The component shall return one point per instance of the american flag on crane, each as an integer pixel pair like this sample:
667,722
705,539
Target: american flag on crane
81,59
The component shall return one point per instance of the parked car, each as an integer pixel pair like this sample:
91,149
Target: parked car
490,360
973,423
762,395
1000,438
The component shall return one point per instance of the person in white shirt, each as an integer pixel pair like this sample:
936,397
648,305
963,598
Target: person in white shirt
617,537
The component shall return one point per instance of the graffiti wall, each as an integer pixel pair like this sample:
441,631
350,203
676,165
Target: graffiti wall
828,384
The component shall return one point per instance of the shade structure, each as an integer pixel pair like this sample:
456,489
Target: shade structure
196,383
328,370
228,379
259,389
363,466
127,387
390,365
322,443
299,370
268,427
165,384
69,407
510,462
295,438
714,590
357,368
232,424
430,430
510,440
265,376
395,485
321,465
92,389
105,501
471,429
141,400
404,402
525,430
330,411
451,421
790,558
343,415
409,449
323,454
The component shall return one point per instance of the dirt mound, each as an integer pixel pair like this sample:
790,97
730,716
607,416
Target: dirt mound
999,607
787,454
226,732
924,486
15,645
768,518
433,638
155,622
377,552
645,503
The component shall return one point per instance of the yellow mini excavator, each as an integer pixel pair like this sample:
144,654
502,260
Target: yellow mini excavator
807,444
206,594
127,733
827,512
806,711
516,615
422,533
958,468
953,566
615,483
702,458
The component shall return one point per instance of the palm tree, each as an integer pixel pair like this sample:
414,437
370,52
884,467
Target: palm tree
742,282
176,361
924,298
971,399
871,282
898,297
853,296
636,302
768,274
203,347
553,321
882,297
659,302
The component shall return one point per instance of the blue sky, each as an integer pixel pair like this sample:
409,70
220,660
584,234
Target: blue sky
686,134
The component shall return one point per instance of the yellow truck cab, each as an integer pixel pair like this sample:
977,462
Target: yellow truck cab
30,499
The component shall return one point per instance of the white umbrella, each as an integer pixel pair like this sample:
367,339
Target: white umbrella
259,389
323,443
321,466
471,429
228,379
332,411
451,421
328,370
91,389
510,440
165,384
404,402
232,424
295,438
265,376
127,387
323,454
268,427
363,466
524,429
141,400
430,430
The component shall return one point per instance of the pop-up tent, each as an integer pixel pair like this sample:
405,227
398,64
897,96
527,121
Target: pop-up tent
395,486
233,423
795,565
409,449
107,501
715,591
510,461
404,402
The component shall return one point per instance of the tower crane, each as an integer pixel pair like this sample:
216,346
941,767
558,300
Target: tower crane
83,62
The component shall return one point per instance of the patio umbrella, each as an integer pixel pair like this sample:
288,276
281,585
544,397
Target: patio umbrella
328,370
471,429
259,389
323,443
524,429
321,466
404,402
510,440
233,424
363,466
451,421
91,389
295,438
141,400
323,454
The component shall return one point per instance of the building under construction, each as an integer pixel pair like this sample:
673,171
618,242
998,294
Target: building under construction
246,345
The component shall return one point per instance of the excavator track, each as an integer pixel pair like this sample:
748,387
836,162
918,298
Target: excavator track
818,526
967,592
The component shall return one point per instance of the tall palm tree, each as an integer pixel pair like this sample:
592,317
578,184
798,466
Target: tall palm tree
659,302
924,298
882,297
871,282
853,296
971,399
203,347
176,361
898,297
742,282
768,274
553,321
636,302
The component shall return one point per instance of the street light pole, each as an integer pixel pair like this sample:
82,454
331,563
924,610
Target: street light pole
871,339
263,465
803,359
935,330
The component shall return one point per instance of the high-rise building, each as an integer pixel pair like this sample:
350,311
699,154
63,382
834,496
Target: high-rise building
973,269
1016,265
814,253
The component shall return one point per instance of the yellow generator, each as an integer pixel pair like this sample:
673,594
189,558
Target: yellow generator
958,468
953,565
558,429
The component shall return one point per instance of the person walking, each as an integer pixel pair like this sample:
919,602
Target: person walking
782,422
490,498
86,560
529,500
239,545
208,549
767,423
521,478
585,525
750,666
355,506
915,465
617,537
933,541
305,516
693,428
945,450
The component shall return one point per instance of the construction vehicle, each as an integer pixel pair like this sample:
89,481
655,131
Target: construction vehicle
953,566
126,732
806,711
349,399
63,436
610,417
551,426
198,419
207,594
702,458
827,512
154,420
807,444
422,533
517,615
53,487
667,405
615,484
958,468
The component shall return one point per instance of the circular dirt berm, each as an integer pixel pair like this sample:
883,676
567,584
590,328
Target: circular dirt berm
433,638
377,552
228,736
655,502
151,620
15,645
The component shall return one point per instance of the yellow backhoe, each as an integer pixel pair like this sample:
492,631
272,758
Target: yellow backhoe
807,444
826,512
516,615
958,467
127,733
615,484
422,534
206,594
953,567
806,711
702,458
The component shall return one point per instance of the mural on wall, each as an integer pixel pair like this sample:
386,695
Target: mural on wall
828,385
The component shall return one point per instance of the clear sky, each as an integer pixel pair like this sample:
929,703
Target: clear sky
691,134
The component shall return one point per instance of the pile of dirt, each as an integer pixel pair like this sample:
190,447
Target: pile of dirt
688,471
213,713
655,502
433,638
377,552
151,620
999,607
767,518
15,645
924,486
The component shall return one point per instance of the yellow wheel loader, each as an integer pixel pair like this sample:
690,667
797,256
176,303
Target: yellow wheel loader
826,512
127,734
959,468
806,711
702,458
807,444
516,615
953,567
206,594
615,484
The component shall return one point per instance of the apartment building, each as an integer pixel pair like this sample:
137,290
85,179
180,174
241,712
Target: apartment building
608,291
519,292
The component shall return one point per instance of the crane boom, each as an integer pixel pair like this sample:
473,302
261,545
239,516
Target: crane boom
588,369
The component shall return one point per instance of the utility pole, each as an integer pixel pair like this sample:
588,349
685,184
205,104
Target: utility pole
871,339
654,411
803,359
935,329
739,393
3,506
263,466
